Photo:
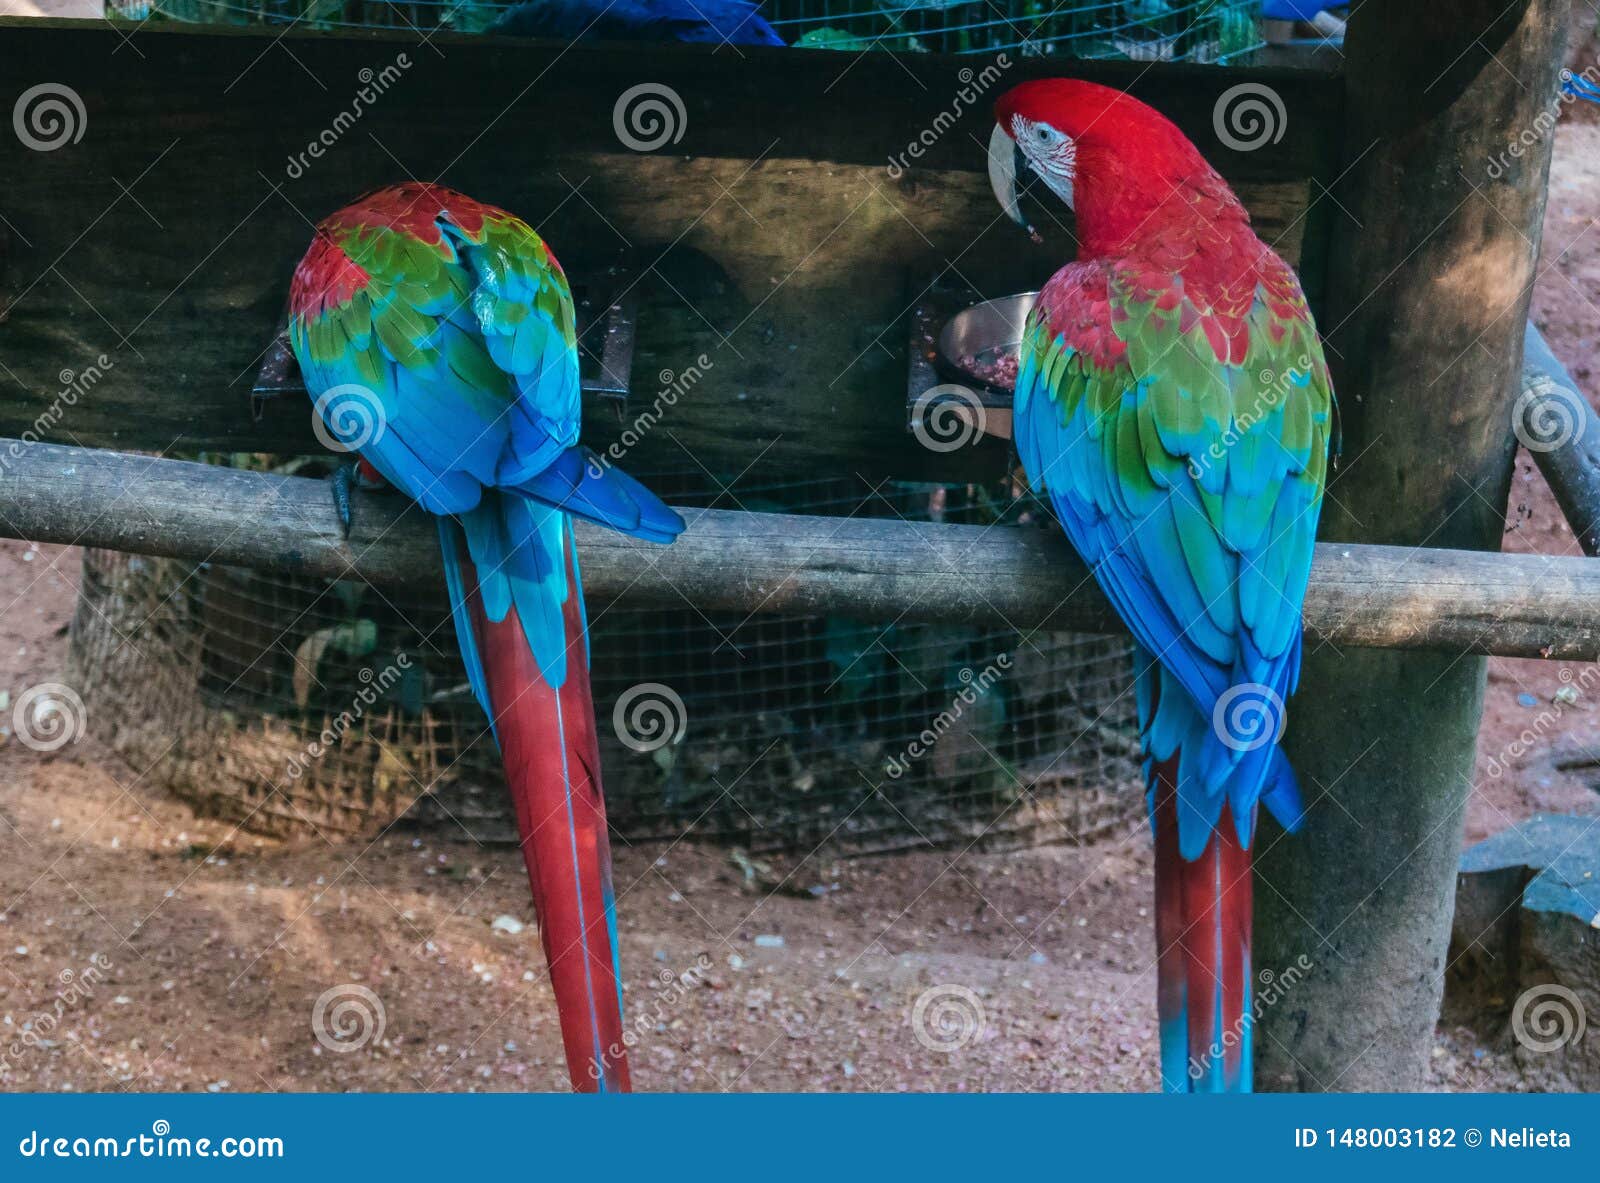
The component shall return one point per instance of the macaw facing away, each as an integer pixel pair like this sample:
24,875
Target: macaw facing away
441,330
1173,404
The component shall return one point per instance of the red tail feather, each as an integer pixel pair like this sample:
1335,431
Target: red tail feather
552,762
1203,932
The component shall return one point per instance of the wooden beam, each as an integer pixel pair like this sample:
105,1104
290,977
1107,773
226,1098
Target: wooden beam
874,569
779,238
1555,422
1431,263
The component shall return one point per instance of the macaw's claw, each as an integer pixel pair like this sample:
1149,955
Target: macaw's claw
343,481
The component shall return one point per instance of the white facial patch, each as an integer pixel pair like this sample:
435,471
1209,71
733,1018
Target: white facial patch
1051,154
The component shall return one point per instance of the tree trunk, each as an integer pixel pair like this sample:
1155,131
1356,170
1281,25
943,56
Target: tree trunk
1435,241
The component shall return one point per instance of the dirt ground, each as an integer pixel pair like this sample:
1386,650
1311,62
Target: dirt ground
142,948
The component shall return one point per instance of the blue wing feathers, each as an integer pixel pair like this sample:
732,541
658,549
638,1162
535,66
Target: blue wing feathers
502,463
1209,609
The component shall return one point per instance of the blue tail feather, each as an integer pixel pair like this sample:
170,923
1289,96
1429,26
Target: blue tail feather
581,483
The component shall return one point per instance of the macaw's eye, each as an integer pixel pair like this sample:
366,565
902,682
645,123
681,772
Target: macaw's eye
1042,134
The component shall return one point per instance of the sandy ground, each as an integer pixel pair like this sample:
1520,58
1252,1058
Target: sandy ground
142,948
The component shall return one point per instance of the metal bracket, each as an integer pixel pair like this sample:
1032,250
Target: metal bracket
935,385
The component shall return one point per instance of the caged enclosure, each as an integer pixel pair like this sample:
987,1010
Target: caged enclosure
811,251
1137,30
295,706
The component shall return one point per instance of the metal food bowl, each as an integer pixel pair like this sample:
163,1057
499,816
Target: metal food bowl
990,330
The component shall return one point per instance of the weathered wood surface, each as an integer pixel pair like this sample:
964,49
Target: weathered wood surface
1431,261
1562,433
775,238
1454,601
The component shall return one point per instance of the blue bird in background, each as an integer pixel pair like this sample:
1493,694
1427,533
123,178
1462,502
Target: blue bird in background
713,21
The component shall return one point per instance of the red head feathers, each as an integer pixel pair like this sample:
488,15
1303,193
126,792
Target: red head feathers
1126,170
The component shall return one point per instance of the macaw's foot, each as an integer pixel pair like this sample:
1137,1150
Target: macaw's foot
343,481
347,478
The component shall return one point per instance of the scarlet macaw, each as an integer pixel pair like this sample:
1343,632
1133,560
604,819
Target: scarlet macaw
437,335
1173,404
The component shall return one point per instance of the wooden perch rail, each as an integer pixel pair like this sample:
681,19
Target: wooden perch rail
1376,596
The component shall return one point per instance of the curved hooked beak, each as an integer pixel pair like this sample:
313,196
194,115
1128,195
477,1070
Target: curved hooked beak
1003,153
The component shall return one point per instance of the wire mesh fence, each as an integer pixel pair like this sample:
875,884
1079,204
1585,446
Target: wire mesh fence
296,706
1140,30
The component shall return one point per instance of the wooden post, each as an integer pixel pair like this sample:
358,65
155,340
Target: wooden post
1432,259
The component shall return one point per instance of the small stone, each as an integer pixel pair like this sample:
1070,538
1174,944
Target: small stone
768,940
1527,700
507,924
